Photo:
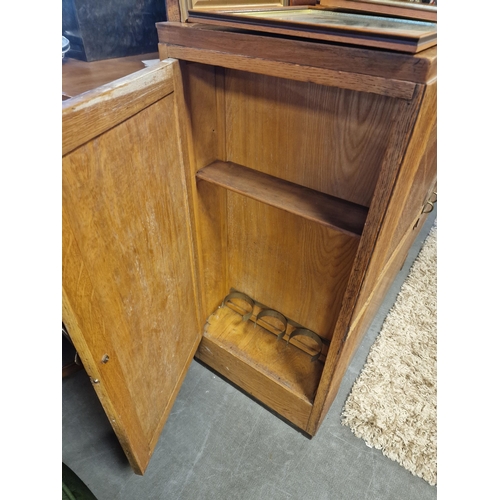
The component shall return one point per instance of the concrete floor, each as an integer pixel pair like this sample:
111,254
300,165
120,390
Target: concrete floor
219,444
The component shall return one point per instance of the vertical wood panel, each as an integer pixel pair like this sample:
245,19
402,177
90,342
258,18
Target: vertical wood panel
83,317
288,263
205,114
417,175
402,126
125,198
324,138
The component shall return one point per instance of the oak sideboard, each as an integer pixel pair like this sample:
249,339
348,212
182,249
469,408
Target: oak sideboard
246,201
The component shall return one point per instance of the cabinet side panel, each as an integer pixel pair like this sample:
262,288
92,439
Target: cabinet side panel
199,87
125,198
403,124
364,318
416,178
204,100
324,138
421,187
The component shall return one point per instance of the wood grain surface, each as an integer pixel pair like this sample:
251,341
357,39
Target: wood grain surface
84,318
315,30
125,200
416,68
301,73
418,174
275,326
402,123
327,139
204,116
286,169
279,375
92,113
299,200
408,10
81,76
291,264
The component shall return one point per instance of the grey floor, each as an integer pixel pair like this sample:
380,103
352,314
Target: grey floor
219,444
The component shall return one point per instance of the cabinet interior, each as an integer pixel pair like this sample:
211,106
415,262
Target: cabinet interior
282,176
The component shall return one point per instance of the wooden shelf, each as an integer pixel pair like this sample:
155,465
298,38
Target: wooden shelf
324,209
281,376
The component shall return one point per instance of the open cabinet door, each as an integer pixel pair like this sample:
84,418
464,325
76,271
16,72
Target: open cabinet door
130,301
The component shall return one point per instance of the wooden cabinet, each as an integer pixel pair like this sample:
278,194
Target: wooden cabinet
248,201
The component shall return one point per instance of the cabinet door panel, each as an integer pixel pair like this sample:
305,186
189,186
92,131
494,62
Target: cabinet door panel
129,294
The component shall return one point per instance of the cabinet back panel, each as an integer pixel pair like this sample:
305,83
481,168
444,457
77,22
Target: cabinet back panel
324,138
288,263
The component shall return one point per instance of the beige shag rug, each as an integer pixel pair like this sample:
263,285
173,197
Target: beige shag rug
392,405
